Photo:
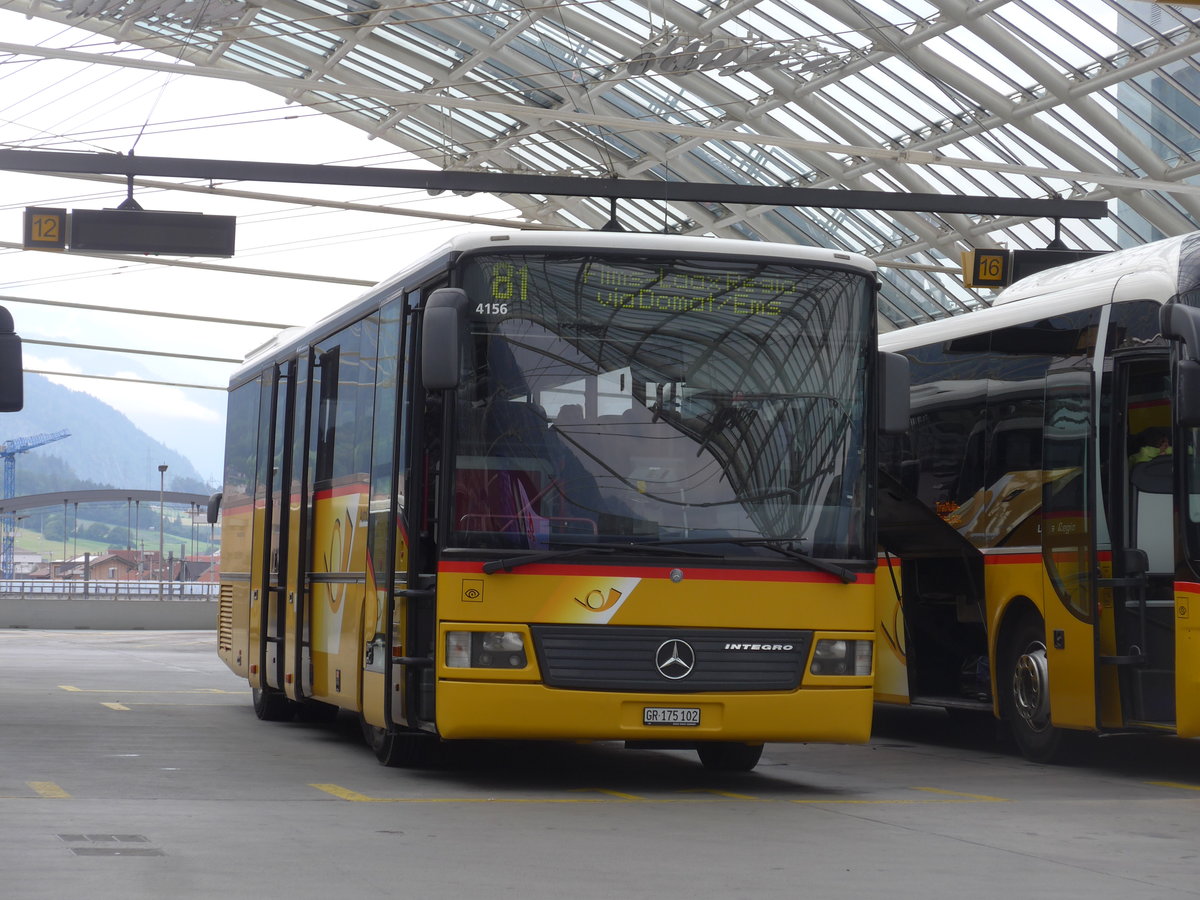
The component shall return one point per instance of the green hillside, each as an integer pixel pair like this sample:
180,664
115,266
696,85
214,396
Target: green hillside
104,450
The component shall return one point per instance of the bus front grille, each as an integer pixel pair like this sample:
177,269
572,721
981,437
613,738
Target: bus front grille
683,660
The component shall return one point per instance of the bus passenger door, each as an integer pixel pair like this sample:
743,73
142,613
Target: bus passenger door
1069,466
268,615
1186,595
387,545
1144,589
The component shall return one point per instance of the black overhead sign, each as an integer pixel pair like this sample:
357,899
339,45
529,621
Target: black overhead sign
1000,268
129,231
1030,262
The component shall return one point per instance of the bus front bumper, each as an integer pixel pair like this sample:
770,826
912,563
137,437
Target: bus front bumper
468,710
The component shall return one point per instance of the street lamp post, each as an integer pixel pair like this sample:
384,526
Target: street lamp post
162,480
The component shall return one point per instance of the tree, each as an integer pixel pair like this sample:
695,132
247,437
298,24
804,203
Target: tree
53,529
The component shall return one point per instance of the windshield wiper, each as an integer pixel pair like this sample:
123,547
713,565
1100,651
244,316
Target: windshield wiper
828,568
527,559
778,546
670,547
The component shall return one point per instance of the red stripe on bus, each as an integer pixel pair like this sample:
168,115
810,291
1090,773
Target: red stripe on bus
1012,558
344,490
1000,559
476,568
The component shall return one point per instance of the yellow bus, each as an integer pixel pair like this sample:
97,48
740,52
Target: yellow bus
566,486
1041,517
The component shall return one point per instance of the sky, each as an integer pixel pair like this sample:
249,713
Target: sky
53,104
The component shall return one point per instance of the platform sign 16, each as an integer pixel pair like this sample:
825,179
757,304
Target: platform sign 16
45,228
986,268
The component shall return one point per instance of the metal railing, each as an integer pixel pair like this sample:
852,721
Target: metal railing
41,588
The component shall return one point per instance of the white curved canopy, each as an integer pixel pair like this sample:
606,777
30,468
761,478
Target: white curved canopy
1083,99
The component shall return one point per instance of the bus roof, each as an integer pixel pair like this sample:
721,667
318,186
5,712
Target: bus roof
622,240
510,240
1155,271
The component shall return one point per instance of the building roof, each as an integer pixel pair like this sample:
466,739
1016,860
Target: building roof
1080,99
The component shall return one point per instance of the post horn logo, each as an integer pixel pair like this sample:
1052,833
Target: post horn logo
598,601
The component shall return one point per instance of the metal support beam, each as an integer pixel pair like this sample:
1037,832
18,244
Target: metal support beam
46,162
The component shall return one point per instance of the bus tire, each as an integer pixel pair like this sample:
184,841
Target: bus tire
729,757
271,705
1025,693
398,749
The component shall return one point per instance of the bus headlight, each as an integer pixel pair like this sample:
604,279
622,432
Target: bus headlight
485,650
834,656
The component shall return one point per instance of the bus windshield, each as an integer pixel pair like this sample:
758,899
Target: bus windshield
610,400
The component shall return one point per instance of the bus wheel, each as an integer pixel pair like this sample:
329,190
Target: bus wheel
271,705
1025,683
729,757
398,749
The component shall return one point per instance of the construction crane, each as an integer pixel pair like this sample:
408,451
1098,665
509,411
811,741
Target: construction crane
9,451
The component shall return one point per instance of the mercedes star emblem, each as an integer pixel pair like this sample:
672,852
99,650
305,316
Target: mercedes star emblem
675,659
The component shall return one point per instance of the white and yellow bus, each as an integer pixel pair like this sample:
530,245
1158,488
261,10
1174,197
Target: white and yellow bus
1042,514
566,486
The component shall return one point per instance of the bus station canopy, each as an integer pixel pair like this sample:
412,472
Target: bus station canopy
1039,99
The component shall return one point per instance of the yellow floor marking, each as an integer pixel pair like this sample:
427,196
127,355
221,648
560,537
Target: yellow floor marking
947,797
49,790
355,797
1175,784
726,794
67,687
600,795
344,793
981,797
118,706
617,794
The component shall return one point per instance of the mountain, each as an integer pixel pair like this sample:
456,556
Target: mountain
105,449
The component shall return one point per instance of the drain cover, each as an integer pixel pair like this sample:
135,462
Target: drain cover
110,845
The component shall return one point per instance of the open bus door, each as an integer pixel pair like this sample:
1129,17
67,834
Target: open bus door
1181,324
1186,594
1054,674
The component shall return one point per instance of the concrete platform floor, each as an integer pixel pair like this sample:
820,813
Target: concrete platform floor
132,766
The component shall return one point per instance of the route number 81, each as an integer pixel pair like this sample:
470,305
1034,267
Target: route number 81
509,282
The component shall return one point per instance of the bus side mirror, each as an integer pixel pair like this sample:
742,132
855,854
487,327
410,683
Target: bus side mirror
1181,323
442,328
1187,393
893,393
12,378
214,507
